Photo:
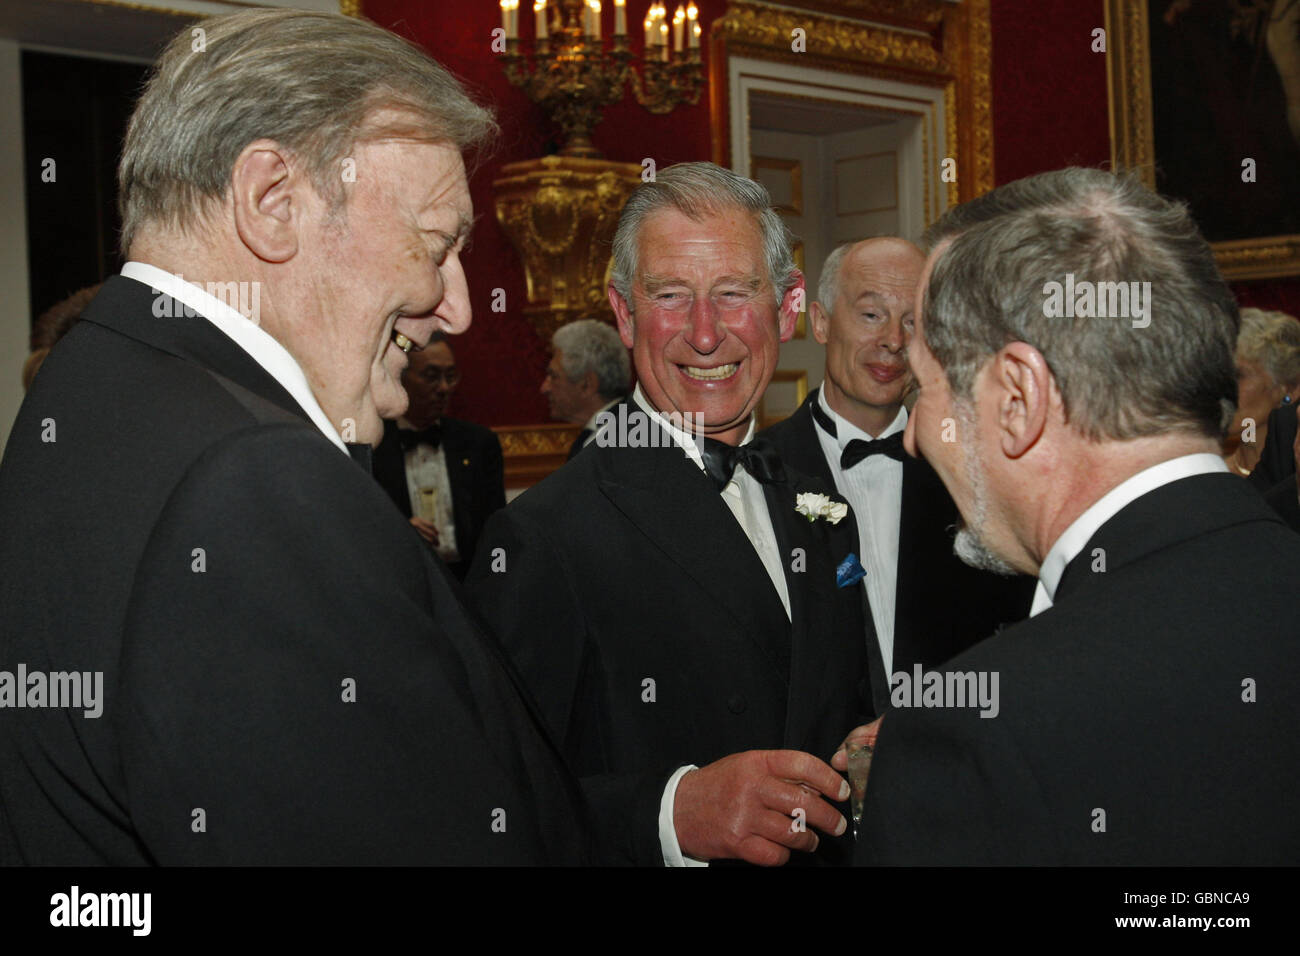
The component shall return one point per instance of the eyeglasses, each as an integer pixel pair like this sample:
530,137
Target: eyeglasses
449,376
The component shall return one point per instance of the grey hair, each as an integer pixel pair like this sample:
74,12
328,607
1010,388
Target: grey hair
311,82
987,290
697,190
591,345
828,283
1273,340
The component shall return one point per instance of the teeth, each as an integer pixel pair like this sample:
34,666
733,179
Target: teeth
402,342
708,374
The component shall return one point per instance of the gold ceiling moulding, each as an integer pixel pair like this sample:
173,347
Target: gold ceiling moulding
930,42
561,213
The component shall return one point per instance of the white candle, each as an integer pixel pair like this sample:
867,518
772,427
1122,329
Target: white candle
620,18
692,16
663,40
539,11
649,26
695,37
595,18
679,18
505,18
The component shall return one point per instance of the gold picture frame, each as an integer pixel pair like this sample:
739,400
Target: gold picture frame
1132,137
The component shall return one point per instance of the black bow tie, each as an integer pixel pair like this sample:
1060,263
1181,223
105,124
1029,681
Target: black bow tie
857,449
426,436
759,458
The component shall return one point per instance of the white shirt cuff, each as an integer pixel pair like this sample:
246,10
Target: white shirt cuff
667,831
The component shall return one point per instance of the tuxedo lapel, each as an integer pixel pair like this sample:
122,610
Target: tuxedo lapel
460,474
671,501
812,621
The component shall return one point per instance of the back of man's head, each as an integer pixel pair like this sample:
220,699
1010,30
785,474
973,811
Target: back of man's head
590,345
1046,260
312,82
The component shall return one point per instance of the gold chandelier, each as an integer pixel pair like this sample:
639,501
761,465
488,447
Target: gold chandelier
573,75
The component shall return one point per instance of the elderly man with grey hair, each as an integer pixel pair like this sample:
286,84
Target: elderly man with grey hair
1145,713
282,672
589,373
700,661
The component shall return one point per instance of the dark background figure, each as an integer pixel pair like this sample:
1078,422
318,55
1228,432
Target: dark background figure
589,373
445,475
1277,475
923,605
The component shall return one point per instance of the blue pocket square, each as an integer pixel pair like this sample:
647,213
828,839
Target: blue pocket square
850,572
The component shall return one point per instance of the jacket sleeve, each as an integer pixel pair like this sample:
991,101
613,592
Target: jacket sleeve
291,690
524,590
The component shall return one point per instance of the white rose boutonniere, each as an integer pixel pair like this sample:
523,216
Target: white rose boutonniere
814,506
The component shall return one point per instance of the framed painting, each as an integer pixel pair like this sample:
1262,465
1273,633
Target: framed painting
1205,106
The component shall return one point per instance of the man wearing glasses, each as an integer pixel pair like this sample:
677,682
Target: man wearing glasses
445,475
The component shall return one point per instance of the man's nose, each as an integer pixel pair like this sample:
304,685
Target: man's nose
894,337
704,326
454,312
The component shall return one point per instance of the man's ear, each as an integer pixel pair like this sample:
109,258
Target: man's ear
820,322
791,305
1023,385
265,188
623,313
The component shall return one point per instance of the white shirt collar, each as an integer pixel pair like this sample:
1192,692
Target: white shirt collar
593,425
1067,547
261,347
846,431
690,444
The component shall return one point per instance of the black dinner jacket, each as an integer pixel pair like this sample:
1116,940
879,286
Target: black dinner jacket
942,605
1274,476
1127,698
289,677
475,469
665,642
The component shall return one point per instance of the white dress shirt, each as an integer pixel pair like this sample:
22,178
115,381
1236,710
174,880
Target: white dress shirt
744,497
260,346
1067,547
874,488
429,485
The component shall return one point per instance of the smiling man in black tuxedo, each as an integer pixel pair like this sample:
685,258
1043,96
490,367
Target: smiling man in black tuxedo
289,676
694,623
1148,707
924,604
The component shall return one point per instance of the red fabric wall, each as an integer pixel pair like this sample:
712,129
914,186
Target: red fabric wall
1049,110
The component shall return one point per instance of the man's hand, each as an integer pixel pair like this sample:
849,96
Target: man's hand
428,530
866,734
743,807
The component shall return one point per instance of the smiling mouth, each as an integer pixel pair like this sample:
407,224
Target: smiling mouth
710,374
886,373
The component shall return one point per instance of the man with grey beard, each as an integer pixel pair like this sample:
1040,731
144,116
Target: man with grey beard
1147,706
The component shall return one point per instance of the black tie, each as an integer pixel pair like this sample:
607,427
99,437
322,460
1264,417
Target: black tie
857,449
759,458
426,436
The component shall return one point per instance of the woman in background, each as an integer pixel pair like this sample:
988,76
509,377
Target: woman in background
1268,375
